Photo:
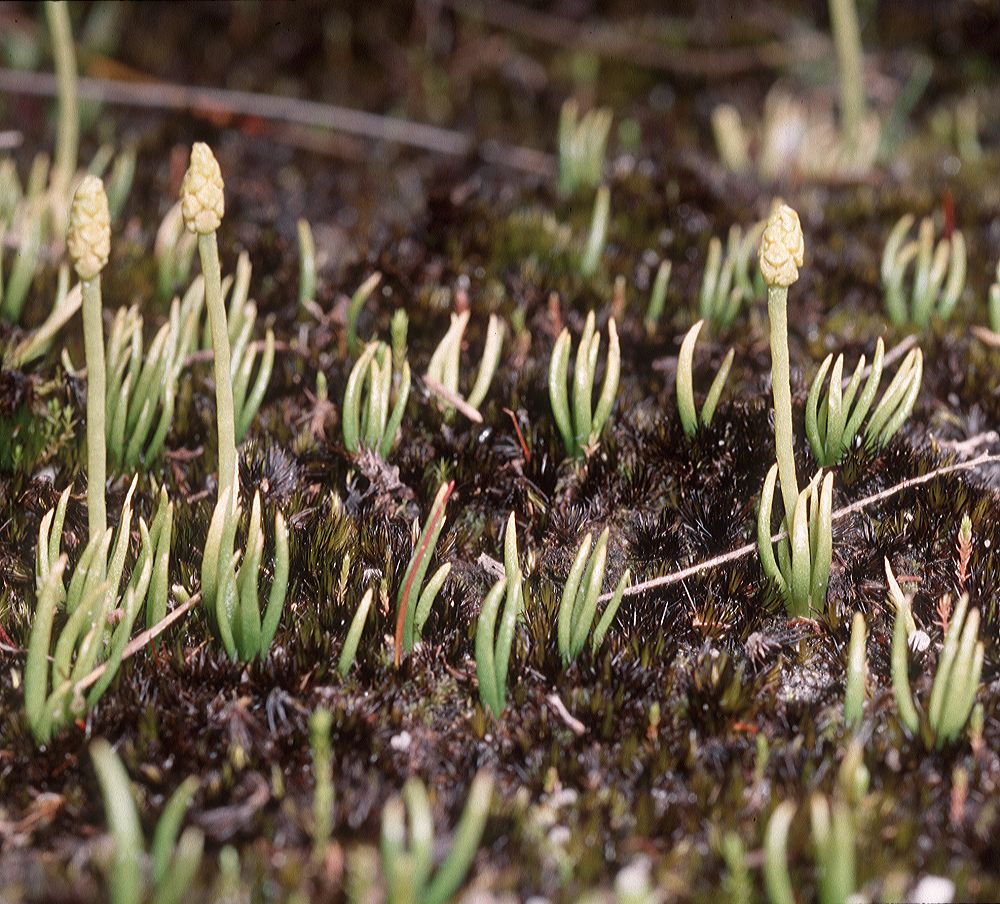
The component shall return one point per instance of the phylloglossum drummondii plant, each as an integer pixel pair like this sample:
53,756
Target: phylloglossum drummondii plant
581,428
578,604
408,857
938,273
691,418
493,642
174,856
727,283
229,582
444,363
833,419
375,401
415,600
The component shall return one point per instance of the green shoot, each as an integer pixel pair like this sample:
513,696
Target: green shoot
174,861
307,262
414,601
691,420
444,363
938,277
590,260
581,432
854,692
323,795
578,604
493,644
727,284
582,146
802,567
350,650
658,296
408,863
354,308
367,420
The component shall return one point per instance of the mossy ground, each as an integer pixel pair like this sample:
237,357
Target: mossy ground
706,707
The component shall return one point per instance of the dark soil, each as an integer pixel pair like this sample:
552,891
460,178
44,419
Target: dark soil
706,706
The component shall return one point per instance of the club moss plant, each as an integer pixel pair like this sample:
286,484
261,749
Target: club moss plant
444,363
229,582
658,296
493,642
834,418
956,679
368,422
355,306
691,419
582,146
27,232
593,249
802,567
581,430
415,600
782,252
854,691
307,262
142,386
727,283
408,857
173,251
578,604
167,873
67,302
68,136
350,650
777,881
938,277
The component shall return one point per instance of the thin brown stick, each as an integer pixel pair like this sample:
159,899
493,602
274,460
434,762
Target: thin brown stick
610,41
295,110
731,556
140,640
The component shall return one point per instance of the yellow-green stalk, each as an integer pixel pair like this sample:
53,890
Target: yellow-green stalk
850,60
203,205
781,254
68,137
89,244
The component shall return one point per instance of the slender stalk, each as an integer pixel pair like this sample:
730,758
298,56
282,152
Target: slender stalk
208,250
784,437
847,40
93,340
68,139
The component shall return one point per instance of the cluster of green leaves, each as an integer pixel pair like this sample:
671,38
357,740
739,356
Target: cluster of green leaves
956,680
581,430
98,613
371,388
415,599
833,423
142,384
174,857
728,281
583,142
444,363
229,581
37,342
804,555
930,294
173,251
578,604
691,420
493,643
408,857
